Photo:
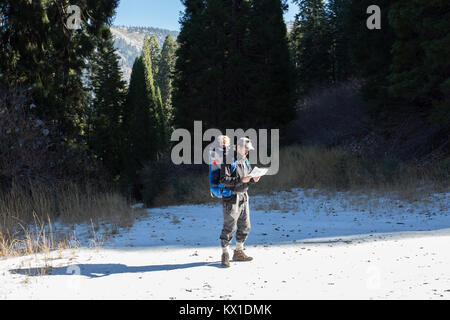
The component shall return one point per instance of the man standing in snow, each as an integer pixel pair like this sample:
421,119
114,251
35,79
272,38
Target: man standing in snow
236,214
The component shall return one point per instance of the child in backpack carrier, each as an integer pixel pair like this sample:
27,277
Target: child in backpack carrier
217,156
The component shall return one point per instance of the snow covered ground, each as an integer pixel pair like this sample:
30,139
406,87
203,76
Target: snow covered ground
305,246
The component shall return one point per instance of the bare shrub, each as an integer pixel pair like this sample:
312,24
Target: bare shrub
35,150
338,116
327,117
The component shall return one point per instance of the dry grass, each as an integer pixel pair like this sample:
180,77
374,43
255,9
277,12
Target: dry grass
36,238
328,170
335,170
26,216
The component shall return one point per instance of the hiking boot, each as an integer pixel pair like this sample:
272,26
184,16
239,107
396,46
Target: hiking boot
239,255
225,260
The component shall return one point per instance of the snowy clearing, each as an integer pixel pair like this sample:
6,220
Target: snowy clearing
305,246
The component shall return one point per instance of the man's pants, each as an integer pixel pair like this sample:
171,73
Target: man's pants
236,214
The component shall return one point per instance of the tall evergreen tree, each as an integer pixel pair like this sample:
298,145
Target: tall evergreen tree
211,80
271,65
420,72
312,40
139,140
229,73
189,89
370,50
155,52
143,125
163,124
107,107
153,97
164,77
232,65
342,67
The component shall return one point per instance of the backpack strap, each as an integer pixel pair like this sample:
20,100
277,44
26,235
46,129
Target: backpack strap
247,163
233,166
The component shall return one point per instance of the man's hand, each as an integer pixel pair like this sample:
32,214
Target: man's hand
256,179
246,179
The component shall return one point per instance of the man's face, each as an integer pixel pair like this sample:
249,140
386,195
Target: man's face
242,151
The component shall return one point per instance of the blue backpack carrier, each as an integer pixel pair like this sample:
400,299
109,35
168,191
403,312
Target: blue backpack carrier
215,161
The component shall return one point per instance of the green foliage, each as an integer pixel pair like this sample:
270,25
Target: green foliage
164,76
195,90
157,121
39,52
155,51
420,72
271,68
342,66
105,137
404,65
370,50
312,40
139,138
144,121
232,64
332,43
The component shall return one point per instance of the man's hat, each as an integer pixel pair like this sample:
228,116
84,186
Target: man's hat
246,143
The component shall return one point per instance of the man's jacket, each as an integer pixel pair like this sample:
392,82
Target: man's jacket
232,180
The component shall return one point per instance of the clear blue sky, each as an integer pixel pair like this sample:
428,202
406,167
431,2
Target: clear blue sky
161,13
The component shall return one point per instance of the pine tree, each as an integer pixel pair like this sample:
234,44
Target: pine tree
313,41
370,50
229,70
139,140
229,73
420,72
107,107
189,89
155,52
143,125
164,77
271,65
342,67
163,125
154,97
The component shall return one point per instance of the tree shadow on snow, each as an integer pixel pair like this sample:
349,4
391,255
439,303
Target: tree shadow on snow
103,270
